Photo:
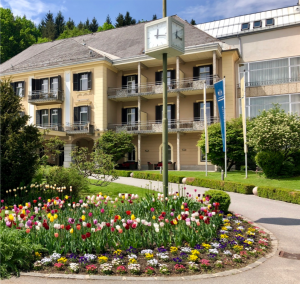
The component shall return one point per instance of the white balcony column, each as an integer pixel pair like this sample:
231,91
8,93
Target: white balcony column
30,106
178,151
178,84
67,99
139,112
139,152
214,80
68,148
139,76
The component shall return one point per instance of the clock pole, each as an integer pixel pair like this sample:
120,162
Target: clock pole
165,117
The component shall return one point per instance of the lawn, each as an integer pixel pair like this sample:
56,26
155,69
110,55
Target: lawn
113,189
253,178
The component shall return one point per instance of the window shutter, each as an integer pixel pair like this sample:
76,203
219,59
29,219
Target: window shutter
173,112
173,74
136,83
124,115
59,83
38,84
75,82
136,114
196,111
195,73
59,111
33,84
158,114
23,89
211,74
13,85
211,108
38,117
89,80
124,82
76,114
158,78
89,114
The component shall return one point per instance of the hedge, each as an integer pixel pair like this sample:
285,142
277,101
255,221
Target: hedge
123,173
277,193
219,196
221,185
159,177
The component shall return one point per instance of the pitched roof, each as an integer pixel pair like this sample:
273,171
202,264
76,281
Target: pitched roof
116,43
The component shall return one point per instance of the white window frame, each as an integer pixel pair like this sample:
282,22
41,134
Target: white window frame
260,24
83,77
273,22
46,114
45,89
54,83
54,114
130,113
83,109
19,89
131,84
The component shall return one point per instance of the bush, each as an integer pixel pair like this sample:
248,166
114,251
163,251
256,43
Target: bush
219,196
154,176
270,162
67,177
122,173
17,252
221,185
281,194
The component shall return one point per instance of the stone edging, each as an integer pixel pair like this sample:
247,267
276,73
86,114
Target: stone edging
274,243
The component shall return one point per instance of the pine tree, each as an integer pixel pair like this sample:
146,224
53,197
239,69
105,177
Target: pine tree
94,25
70,24
193,22
87,24
120,21
129,20
81,26
108,20
48,29
59,24
154,17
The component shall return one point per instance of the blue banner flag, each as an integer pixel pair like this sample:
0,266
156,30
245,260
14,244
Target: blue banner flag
220,95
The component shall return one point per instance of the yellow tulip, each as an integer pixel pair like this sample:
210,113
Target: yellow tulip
179,217
174,222
23,211
182,207
132,217
51,219
100,193
71,231
49,200
11,217
49,215
26,204
66,197
54,202
153,217
55,216
83,217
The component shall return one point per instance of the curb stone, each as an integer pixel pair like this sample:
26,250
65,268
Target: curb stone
163,278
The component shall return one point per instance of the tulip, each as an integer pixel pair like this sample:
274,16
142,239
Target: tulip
102,210
78,227
28,231
120,231
71,231
90,214
56,235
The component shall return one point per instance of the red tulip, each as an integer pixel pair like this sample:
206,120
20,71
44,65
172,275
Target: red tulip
83,237
112,229
88,225
127,227
108,225
128,212
88,234
68,227
34,201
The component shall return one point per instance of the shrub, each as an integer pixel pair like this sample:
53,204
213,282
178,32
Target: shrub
281,194
17,252
123,173
270,162
67,177
219,196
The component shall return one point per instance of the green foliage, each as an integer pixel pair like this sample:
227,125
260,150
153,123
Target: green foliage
19,142
122,21
122,173
43,40
17,252
157,177
193,22
73,32
235,144
221,197
70,24
59,24
270,162
115,144
47,27
16,34
93,25
52,148
221,185
278,193
67,177
108,20
105,27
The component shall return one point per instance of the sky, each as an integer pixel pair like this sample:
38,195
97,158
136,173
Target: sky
199,10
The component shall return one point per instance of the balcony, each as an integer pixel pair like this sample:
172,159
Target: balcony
51,126
182,86
156,126
40,97
79,128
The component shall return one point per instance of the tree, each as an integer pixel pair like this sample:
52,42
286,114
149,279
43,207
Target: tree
154,17
193,22
105,27
59,24
47,27
235,144
98,165
70,24
115,144
16,34
124,20
43,40
87,24
93,25
52,148
81,26
108,20
19,142
119,21
74,32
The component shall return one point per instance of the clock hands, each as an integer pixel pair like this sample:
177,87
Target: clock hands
178,36
157,35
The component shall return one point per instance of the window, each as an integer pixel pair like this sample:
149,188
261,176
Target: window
199,111
54,116
202,156
203,73
289,102
257,24
54,84
169,153
131,156
171,79
19,89
170,114
132,84
82,81
44,88
245,26
131,115
269,22
83,114
44,117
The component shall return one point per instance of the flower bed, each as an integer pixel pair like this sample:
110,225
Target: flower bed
180,235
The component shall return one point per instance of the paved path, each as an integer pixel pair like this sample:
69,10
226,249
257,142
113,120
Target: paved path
282,219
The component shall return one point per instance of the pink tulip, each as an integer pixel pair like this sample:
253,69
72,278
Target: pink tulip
152,209
102,210
90,214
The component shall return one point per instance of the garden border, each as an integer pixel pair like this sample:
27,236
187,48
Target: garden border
261,260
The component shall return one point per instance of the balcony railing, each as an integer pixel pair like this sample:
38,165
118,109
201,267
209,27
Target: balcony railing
271,82
51,126
187,84
35,97
78,128
156,126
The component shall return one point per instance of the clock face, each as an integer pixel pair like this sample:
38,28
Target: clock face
157,35
177,35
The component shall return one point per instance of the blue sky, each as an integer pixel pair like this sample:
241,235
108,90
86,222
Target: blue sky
201,11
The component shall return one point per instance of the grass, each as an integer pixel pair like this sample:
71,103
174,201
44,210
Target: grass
237,176
113,189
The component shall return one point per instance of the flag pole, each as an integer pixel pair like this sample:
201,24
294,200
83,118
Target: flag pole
225,128
245,127
205,126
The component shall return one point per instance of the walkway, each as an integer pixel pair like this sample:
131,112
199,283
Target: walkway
282,219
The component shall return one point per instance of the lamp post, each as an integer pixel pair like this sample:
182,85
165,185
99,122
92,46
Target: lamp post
165,117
